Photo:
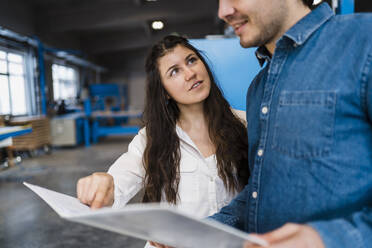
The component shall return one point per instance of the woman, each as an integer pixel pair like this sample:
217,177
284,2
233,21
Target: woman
192,152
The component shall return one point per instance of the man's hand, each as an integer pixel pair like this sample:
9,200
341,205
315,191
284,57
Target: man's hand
291,236
96,190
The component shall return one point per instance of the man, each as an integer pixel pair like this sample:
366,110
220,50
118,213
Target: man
309,114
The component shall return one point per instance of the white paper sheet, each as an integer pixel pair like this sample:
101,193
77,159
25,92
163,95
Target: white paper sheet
156,222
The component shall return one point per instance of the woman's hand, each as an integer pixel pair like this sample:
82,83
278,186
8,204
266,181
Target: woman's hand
96,190
157,245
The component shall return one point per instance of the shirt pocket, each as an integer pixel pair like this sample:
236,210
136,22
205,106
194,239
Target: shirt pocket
304,124
188,188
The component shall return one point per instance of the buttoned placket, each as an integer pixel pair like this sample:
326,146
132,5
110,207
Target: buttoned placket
212,196
274,67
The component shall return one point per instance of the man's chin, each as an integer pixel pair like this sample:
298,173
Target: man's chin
247,43
244,44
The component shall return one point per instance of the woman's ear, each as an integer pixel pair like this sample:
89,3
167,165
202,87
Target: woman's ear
167,100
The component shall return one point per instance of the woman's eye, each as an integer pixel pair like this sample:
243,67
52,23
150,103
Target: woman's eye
173,72
192,60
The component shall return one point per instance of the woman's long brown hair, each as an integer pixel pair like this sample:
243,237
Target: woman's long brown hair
162,153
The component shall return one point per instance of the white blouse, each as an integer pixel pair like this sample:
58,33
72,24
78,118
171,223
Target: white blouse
201,191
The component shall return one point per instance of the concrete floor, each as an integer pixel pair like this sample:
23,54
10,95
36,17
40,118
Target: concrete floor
27,221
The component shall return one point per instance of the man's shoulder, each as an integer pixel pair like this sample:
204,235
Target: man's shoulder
358,24
355,16
355,21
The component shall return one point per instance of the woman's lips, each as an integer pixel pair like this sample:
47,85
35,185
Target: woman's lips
196,85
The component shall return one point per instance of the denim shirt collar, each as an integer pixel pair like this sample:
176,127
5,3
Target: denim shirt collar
263,55
301,31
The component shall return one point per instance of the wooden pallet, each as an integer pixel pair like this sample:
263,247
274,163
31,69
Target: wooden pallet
2,121
39,137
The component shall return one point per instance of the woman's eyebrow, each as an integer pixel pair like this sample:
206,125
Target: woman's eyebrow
190,55
170,68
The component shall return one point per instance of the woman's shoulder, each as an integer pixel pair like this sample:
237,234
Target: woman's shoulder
139,141
142,131
240,114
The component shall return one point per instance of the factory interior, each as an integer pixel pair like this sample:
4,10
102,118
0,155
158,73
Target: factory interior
72,96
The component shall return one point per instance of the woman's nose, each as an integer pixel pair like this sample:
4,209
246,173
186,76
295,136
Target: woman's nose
189,73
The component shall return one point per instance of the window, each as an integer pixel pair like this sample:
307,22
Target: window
12,83
65,82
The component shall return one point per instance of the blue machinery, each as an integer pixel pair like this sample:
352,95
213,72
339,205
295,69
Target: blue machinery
104,107
101,118
40,51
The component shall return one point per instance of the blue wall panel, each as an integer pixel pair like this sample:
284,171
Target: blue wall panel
234,67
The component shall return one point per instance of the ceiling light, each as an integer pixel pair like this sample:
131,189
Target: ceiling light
157,25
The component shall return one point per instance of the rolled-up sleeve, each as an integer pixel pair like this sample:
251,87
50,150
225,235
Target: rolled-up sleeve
128,171
354,231
234,213
368,88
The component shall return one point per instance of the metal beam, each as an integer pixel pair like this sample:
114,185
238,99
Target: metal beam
346,7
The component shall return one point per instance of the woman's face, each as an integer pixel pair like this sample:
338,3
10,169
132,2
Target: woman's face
184,76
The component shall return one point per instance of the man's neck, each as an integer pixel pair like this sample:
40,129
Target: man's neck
296,13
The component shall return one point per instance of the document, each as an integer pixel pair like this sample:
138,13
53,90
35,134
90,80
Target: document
156,222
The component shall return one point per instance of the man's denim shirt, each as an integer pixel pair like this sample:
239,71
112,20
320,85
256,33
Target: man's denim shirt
309,114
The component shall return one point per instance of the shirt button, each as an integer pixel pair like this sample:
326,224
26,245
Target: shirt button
295,45
264,110
254,195
260,152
